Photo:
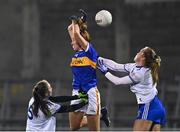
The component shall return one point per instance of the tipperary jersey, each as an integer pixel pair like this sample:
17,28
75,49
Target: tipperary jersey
41,123
83,67
142,84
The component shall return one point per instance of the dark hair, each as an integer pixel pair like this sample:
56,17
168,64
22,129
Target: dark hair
152,61
40,92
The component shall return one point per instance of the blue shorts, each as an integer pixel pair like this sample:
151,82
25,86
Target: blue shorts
153,111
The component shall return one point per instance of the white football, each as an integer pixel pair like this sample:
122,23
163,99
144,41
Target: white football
103,18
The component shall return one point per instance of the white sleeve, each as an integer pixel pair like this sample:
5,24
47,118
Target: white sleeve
53,107
129,66
113,65
118,80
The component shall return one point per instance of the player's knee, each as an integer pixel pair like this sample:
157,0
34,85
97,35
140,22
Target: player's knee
156,127
74,127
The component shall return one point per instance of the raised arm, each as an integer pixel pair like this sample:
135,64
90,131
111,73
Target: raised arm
71,32
78,37
112,65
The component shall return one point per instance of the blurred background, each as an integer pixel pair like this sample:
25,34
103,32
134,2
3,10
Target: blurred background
34,45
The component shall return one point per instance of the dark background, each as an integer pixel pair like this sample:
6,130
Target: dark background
34,45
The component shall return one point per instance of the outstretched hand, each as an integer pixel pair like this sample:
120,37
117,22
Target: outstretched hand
101,66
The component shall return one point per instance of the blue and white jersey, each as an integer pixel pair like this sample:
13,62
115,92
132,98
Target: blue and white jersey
153,111
41,123
139,78
83,65
142,84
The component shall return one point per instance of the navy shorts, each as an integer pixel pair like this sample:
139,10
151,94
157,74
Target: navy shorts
153,111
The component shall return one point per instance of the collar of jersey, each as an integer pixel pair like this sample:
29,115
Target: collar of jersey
139,66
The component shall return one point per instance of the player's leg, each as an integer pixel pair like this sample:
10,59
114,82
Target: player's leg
76,120
84,121
156,127
142,125
93,122
105,117
93,110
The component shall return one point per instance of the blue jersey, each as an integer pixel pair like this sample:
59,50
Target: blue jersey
83,67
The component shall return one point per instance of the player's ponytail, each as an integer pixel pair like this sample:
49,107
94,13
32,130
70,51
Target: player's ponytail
40,102
152,61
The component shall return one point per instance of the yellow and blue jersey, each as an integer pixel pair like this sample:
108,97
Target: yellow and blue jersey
83,67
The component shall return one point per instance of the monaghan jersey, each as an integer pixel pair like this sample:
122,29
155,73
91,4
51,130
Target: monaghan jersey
41,123
83,67
142,84
139,78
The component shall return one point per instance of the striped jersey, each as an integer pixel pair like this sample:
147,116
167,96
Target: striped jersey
83,65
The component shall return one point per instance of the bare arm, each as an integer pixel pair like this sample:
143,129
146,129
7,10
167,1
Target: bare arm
71,32
78,37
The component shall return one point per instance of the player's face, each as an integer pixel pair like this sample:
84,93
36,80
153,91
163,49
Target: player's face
139,58
75,46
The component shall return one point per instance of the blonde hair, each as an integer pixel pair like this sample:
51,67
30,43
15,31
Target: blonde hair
83,29
152,61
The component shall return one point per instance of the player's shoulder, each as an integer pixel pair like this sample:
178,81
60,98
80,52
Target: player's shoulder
141,69
31,100
89,46
53,107
52,104
129,65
